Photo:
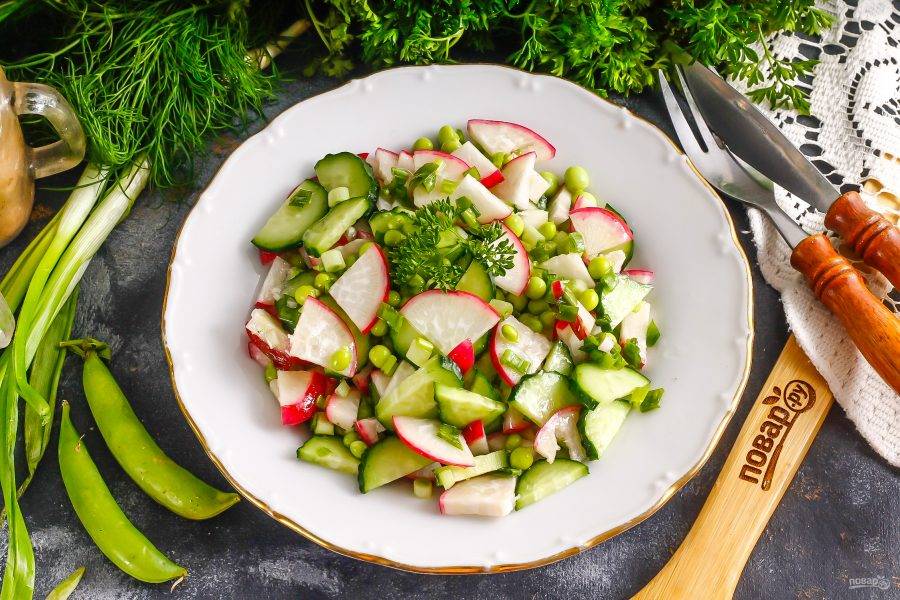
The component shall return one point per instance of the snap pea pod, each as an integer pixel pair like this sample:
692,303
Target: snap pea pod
159,476
65,587
112,532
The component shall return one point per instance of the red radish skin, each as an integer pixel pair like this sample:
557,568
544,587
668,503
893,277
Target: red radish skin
296,414
557,288
490,174
463,355
361,379
269,308
300,408
280,358
265,332
492,179
266,257
369,430
474,435
509,137
258,355
409,431
514,421
645,276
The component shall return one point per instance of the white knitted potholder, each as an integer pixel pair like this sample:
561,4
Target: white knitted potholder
853,136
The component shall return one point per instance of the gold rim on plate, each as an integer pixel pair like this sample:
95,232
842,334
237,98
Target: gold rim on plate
502,568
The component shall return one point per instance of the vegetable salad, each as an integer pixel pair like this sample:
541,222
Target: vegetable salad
455,318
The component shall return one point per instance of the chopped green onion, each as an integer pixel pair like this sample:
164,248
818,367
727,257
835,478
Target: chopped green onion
575,243
652,400
450,434
531,236
389,365
502,307
632,354
389,314
343,388
422,488
300,198
358,448
568,313
320,425
652,334
515,361
271,373
333,261
419,351
425,176
470,219
448,185
473,172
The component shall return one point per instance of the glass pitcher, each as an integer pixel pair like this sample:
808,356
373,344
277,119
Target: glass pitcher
20,164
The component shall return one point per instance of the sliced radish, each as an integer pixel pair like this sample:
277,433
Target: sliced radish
585,201
361,380
475,437
265,333
562,426
490,207
602,230
559,207
634,326
530,346
515,188
463,355
297,392
490,174
369,430
514,422
452,167
405,161
266,257
644,276
502,136
537,185
380,381
421,436
446,319
278,273
320,332
573,343
485,496
569,266
363,287
515,280
584,322
261,358
342,410
403,370
534,217
384,161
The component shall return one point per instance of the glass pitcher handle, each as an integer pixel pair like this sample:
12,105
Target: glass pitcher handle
65,153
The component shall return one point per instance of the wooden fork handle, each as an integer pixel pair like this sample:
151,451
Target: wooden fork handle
872,236
873,328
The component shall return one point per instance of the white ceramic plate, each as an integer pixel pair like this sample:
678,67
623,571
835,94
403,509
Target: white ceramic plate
702,298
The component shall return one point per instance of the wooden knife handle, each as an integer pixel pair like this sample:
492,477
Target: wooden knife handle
761,465
873,328
872,236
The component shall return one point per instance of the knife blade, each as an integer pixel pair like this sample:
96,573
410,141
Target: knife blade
756,140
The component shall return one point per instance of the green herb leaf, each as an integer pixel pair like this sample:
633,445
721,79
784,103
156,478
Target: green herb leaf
651,400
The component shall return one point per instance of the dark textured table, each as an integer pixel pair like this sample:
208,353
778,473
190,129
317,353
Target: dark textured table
840,519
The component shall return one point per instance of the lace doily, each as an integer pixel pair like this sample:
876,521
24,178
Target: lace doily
852,135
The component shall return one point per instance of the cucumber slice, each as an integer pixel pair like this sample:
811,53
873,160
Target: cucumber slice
346,169
387,461
476,280
482,385
324,233
596,385
330,452
599,426
447,476
617,303
544,479
362,341
559,360
286,227
414,396
540,395
459,407
403,336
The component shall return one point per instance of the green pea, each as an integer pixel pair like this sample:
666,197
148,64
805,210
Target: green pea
599,267
532,323
393,238
589,299
379,354
577,179
350,437
358,448
548,318
422,488
340,360
521,458
416,283
509,333
514,440
323,281
304,291
270,373
450,146
447,134
423,143
379,328
548,229
551,178
537,287
394,298
519,302
536,307
515,224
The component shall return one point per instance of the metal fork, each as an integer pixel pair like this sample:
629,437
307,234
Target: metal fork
723,170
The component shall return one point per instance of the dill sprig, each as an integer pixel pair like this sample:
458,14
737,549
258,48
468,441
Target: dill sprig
438,248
